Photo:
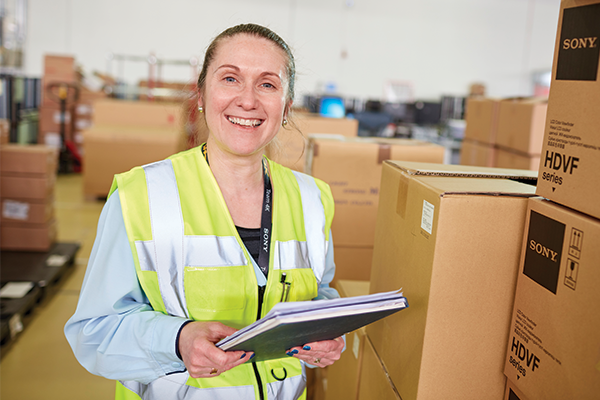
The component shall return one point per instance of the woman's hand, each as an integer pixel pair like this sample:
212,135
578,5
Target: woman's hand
321,354
200,355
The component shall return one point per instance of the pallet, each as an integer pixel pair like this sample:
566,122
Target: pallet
14,311
45,269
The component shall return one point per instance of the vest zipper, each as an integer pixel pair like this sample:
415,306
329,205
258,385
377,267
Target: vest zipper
258,381
261,294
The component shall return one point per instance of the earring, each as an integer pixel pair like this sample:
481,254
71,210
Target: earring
285,122
200,109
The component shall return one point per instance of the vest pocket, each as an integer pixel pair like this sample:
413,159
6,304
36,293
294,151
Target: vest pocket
214,289
303,284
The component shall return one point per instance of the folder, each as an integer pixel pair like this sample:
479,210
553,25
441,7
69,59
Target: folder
294,324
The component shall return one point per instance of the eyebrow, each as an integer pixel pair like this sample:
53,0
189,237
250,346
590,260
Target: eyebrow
268,73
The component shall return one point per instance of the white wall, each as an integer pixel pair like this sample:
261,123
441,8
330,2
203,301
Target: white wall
440,46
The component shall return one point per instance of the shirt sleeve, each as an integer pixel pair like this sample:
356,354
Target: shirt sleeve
325,291
114,332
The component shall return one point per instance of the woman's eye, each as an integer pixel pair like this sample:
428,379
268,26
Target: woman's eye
230,79
268,85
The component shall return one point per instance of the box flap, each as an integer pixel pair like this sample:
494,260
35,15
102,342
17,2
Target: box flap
463,171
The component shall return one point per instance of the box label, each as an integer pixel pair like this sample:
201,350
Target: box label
579,49
544,250
427,217
15,210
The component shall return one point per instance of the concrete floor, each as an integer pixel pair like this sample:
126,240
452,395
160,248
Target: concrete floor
39,363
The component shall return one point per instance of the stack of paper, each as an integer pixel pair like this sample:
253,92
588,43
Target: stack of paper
297,323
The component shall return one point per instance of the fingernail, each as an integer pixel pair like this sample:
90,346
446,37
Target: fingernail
294,351
243,355
289,353
252,356
306,348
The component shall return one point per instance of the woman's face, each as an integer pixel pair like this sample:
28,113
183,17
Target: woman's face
244,98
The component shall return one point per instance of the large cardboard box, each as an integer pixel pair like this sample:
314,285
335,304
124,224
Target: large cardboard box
375,382
137,114
28,159
4,131
27,187
570,158
112,150
289,148
508,158
352,168
477,154
553,349
481,119
27,237
352,262
343,375
521,124
450,236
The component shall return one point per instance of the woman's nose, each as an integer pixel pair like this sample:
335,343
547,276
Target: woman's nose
247,98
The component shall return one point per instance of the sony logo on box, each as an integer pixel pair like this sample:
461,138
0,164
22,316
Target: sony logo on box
544,250
579,49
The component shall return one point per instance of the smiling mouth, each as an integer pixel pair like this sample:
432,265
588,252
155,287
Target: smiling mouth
252,123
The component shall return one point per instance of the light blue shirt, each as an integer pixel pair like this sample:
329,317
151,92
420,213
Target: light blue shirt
115,333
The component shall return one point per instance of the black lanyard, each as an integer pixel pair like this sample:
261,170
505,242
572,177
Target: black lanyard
265,220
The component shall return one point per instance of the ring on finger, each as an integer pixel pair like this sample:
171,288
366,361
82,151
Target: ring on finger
214,371
317,360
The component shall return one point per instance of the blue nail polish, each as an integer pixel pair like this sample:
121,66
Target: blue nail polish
243,355
306,348
252,356
290,354
294,351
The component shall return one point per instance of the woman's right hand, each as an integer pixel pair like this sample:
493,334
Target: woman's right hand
200,355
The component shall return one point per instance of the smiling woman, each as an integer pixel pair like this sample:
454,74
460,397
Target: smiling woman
194,247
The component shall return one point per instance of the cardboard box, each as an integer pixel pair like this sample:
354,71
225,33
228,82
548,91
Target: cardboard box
50,121
521,124
27,237
4,131
450,236
570,158
28,187
553,349
28,159
375,382
137,114
343,375
352,168
477,154
352,262
112,150
27,211
482,119
289,148
508,158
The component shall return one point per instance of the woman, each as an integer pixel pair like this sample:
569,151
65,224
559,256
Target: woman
194,247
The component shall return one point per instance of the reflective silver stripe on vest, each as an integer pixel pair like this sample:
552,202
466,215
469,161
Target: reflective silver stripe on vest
291,255
314,223
200,251
174,387
290,388
167,232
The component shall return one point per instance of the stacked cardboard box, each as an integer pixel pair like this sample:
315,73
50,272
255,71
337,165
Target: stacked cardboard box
57,70
126,134
375,381
520,131
27,179
450,236
289,149
479,143
552,351
504,133
4,131
352,168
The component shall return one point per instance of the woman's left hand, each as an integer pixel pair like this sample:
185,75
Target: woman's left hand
320,354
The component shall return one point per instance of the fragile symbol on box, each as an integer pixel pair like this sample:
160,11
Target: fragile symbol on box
571,273
575,243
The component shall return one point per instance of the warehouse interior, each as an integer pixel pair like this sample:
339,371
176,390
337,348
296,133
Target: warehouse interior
459,140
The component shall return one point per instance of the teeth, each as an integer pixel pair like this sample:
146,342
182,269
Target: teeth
245,122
